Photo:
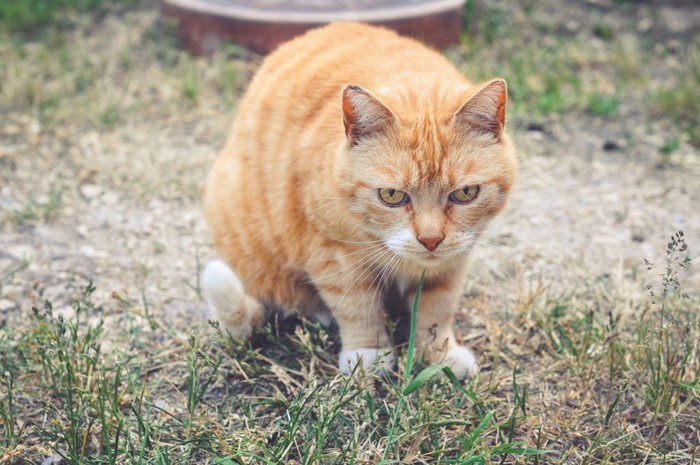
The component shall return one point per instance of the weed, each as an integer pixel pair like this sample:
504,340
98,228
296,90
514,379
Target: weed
8,408
9,271
109,117
602,105
198,363
681,101
665,348
69,359
20,15
603,31
190,84
38,211
671,144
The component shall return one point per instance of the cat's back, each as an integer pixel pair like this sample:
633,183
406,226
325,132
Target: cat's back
299,84
342,52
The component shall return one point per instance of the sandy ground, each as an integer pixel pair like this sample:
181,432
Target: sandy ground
592,201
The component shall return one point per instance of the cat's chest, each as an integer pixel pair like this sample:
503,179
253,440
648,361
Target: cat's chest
403,286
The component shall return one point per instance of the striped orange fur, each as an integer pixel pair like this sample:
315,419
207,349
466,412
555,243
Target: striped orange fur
357,160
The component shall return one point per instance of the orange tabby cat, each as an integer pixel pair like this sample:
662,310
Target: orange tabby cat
358,159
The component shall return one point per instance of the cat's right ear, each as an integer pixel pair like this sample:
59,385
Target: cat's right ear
486,109
363,114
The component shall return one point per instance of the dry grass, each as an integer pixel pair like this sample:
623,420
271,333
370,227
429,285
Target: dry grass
108,131
561,383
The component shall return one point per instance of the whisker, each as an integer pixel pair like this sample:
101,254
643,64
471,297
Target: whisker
375,250
330,202
379,279
367,269
351,242
385,279
375,246
505,251
497,233
478,263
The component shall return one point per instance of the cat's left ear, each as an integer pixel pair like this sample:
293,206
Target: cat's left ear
363,114
485,111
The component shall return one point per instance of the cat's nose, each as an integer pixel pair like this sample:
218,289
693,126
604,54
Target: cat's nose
430,242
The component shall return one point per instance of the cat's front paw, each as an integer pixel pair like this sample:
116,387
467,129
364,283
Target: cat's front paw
461,361
373,360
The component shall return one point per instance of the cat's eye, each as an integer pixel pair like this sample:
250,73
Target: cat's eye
393,197
465,194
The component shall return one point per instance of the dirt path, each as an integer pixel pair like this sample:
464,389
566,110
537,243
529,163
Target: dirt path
121,205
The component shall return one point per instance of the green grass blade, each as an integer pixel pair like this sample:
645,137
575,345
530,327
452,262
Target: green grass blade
518,449
690,386
423,377
478,430
414,318
476,459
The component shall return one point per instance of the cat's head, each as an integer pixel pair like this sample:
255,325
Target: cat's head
426,181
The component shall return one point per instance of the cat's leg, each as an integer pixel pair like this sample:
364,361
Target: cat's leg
238,313
363,335
304,298
357,307
435,338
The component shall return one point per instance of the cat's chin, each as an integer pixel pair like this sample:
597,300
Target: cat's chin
432,260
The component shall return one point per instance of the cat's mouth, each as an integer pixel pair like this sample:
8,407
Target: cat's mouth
431,259
422,257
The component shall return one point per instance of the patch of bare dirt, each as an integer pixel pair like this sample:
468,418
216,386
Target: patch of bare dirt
120,205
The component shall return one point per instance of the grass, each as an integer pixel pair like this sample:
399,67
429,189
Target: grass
103,83
30,14
681,98
68,83
627,386
554,74
37,211
592,374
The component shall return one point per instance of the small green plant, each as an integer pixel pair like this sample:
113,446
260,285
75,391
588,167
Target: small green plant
665,349
35,211
69,356
603,31
603,105
190,84
8,408
483,24
681,100
470,453
19,15
198,363
109,117
671,144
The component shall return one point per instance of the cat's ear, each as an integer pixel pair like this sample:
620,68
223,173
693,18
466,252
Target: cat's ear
363,114
485,111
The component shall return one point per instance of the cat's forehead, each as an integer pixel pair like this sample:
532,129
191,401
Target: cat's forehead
430,151
407,168
434,160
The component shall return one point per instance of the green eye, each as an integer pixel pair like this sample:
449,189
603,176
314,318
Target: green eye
465,194
393,197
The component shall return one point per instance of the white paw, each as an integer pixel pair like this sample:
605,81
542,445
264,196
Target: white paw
226,300
462,362
372,360
219,277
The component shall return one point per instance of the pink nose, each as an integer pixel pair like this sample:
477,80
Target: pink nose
430,242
